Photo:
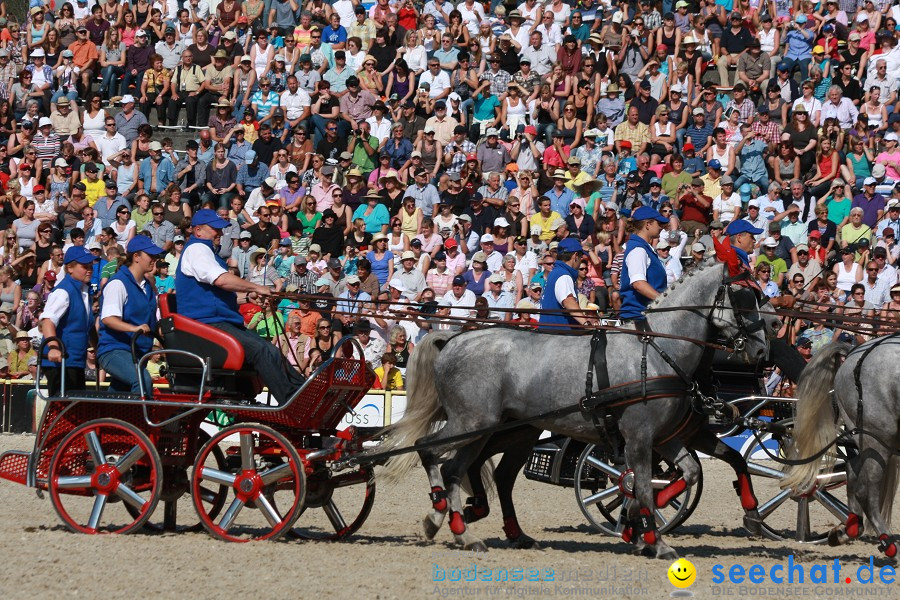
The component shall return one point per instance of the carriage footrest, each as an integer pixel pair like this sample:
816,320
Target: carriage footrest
14,466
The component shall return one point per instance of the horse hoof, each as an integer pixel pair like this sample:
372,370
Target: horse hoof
429,528
524,542
666,554
752,524
476,546
837,537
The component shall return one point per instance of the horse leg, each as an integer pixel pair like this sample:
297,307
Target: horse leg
432,522
705,441
841,534
642,523
514,458
875,469
453,471
477,506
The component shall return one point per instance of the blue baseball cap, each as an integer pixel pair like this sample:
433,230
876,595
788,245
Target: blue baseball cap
570,245
250,157
714,164
645,212
209,217
142,243
741,226
79,254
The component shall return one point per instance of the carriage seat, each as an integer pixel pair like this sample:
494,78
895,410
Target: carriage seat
224,353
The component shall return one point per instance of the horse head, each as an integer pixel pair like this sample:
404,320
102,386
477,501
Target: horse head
737,314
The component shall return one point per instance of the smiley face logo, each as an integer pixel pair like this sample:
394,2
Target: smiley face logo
682,573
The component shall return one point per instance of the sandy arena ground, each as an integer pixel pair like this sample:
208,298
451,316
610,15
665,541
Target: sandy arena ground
389,557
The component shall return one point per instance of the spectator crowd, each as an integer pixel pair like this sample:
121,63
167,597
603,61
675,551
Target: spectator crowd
398,162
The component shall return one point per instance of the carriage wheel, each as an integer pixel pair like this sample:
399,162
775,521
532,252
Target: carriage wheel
808,518
177,484
334,498
105,477
268,486
600,490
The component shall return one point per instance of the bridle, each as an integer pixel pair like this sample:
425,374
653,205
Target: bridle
745,327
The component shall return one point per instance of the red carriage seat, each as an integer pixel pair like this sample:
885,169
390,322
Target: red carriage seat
225,353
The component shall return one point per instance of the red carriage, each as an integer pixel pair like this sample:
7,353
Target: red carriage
108,459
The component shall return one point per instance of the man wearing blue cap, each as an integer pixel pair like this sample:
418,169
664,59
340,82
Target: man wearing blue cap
68,316
643,275
207,293
560,300
741,234
128,306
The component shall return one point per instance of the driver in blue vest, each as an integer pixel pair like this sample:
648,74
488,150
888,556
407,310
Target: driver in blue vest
128,306
68,316
207,292
559,298
643,275
741,234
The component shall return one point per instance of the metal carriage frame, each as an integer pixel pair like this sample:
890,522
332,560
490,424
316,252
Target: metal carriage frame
139,450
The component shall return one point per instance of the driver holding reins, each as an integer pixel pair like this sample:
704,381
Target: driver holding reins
559,302
643,275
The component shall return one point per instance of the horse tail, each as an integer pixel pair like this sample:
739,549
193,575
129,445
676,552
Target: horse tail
815,425
889,489
423,407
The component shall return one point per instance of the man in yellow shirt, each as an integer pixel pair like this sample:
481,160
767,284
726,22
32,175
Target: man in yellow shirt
93,185
545,219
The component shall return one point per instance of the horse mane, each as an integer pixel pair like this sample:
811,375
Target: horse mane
706,265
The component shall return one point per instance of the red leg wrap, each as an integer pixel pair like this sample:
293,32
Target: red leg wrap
479,507
887,545
650,536
745,490
666,494
853,525
511,528
438,498
627,534
457,524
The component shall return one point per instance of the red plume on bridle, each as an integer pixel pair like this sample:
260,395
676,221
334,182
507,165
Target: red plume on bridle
726,254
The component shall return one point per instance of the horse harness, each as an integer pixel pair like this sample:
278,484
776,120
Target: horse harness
597,406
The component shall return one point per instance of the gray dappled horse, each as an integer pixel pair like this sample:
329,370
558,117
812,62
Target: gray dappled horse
867,376
483,378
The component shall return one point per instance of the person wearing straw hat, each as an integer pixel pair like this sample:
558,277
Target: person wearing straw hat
207,292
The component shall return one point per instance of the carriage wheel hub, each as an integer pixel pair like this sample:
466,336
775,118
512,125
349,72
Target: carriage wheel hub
248,485
106,479
626,483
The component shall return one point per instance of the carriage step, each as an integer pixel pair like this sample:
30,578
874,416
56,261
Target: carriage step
14,466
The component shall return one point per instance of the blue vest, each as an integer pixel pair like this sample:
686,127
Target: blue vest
558,317
140,309
633,302
202,301
73,327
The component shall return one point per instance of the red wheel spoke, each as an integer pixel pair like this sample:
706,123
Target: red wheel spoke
73,482
97,512
94,447
231,514
130,459
128,495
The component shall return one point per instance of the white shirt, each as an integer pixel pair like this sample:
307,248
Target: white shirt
438,83
255,200
463,306
727,206
764,203
58,304
564,288
472,17
294,104
494,261
109,146
114,298
199,262
344,9
637,262
530,14
550,35
526,263
380,130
